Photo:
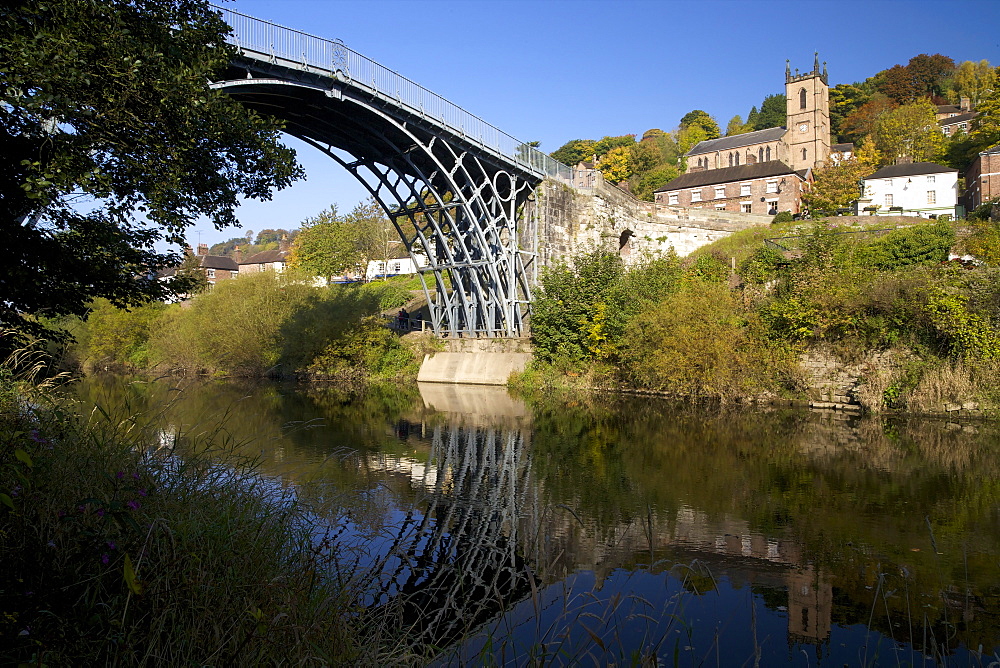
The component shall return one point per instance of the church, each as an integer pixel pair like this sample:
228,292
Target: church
766,171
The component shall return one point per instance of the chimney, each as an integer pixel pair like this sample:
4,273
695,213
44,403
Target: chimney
283,244
237,255
202,249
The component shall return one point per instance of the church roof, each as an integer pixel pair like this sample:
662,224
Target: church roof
708,177
737,141
910,169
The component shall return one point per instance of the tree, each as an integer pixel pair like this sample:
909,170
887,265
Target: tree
616,164
736,126
845,99
975,81
327,246
700,119
192,274
376,237
107,103
911,131
773,112
986,127
922,77
608,143
575,151
861,122
836,186
644,185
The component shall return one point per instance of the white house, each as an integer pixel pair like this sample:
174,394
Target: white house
914,189
394,267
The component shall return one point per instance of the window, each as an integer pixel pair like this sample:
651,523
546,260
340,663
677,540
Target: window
672,198
802,98
888,199
768,153
210,273
930,179
963,126
772,187
737,159
803,154
744,189
695,195
931,197
720,192
730,159
760,154
745,207
720,207
946,130
772,207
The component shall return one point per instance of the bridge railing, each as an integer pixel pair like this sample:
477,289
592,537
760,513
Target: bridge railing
340,61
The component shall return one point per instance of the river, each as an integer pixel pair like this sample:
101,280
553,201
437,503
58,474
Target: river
609,530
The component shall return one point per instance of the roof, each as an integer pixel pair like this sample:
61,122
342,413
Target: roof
948,109
217,262
961,118
910,169
736,141
992,150
266,257
761,170
842,148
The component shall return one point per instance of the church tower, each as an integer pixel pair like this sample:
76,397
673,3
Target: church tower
808,116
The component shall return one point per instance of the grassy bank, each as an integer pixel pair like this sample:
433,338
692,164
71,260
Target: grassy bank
923,331
254,326
126,545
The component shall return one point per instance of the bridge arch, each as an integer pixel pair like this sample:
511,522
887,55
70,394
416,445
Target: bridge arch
452,194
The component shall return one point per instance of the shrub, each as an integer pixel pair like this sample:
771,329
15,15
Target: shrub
783,217
699,343
926,244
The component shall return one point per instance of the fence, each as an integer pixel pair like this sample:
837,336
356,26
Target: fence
341,62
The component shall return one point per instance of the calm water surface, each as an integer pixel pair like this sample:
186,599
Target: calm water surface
609,531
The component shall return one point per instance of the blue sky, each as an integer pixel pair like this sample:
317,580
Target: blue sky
555,70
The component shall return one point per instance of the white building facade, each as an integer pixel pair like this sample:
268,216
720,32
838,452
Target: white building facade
914,189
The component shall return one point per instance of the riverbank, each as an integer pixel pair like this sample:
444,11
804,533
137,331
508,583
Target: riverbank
125,544
836,318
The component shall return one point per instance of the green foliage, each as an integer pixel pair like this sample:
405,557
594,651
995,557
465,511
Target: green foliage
968,334
327,246
789,318
761,266
646,184
926,244
119,339
700,119
575,151
836,187
772,114
367,351
606,144
736,126
782,217
699,343
616,164
909,131
110,100
845,99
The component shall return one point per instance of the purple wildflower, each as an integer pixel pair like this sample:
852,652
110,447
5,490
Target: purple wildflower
120,475
135,476
105,558
100,512
61,513
36,437
133,505
142,492
81,508
51,543
111,545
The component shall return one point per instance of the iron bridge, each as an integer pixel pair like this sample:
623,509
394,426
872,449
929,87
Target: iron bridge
452,184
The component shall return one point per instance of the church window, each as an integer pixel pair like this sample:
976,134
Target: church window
760,154
696,195
720,192
802,98
730,159
803,154
744,189
737,159
769,153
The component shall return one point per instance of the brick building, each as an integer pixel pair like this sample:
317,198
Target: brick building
982,179
764,171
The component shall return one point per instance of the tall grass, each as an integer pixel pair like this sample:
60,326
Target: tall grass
125,545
